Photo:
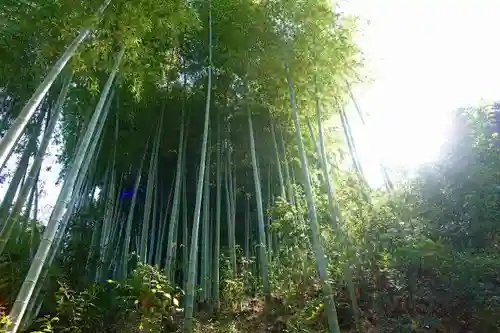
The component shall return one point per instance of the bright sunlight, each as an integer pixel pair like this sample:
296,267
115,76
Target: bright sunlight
426,58
420,70
195,200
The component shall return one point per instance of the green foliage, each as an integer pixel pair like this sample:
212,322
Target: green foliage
424,255
459,194
166,42
47,324
14,262
4,320
294,249
233,286
410,265
146,301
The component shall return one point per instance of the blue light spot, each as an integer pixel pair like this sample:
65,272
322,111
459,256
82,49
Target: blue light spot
126,194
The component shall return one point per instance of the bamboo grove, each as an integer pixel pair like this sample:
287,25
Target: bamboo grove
190,119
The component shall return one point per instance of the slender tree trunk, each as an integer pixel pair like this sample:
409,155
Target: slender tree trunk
218,200
383,169
62,210
229,215
210,257
130,217
145,236
334,208
109,217
72,205
350,144
204,260
114,265
114,246
174,217
93,254
247,241
162,227
155,232
160,249
15,183
288,176
28,286
268,216
278,163
12,136
174,253
106,223
315,233
260,213
193,256
185,233
27,213
34,224
356,105
335,212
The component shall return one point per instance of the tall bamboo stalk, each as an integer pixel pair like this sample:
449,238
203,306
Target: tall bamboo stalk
260,213
12,136
28,286
193,255
315,233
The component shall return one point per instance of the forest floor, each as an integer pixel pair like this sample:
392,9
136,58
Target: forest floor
256,319
253,317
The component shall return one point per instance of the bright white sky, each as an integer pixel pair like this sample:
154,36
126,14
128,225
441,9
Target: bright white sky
426,57
47,187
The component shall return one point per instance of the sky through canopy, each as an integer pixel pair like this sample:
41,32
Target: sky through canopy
425,58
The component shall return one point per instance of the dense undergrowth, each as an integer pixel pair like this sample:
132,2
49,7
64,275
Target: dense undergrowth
423,258
197,175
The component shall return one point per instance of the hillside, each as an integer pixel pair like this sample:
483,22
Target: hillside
202,192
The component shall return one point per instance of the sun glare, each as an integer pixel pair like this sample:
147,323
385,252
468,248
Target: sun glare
405,141
426,58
